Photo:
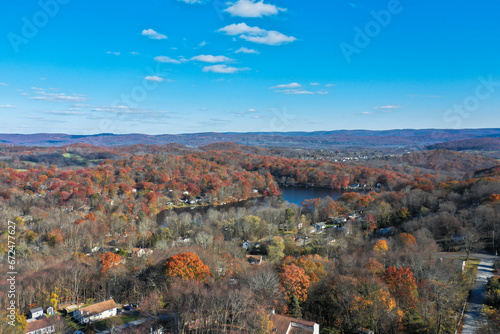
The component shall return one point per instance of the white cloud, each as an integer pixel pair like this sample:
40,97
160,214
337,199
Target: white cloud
290,85
3,84
314,84
211,59
256,34
329,85
202,43
367,112
190,1
134,53
322,92
153,34
60,97
154,78
269,38
241,28
245,50
113,53
252,110
224,69
165,59
7,106
252,8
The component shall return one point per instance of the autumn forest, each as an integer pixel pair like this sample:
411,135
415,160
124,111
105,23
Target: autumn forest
203,233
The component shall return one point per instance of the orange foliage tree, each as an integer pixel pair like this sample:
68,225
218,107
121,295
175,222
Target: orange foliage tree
402,286
295,282
187,266
109,260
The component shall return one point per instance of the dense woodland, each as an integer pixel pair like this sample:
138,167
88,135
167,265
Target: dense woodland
67,201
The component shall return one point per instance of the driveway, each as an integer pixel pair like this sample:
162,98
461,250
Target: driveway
473,319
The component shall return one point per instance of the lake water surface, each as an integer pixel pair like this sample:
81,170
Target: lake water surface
297,195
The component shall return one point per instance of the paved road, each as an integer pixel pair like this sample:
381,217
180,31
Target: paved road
473,318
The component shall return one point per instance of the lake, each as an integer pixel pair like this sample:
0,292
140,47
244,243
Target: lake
294,195
297,195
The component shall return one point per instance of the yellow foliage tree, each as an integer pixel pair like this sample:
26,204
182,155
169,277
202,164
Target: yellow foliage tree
381,247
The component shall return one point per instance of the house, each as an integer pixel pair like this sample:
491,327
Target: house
387,231
36,313
319,227
42,326
140,252
288,325
254,259
96,312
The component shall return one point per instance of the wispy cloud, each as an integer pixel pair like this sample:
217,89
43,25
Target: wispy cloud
252,8
245,50
388,107
330,85
295,88
222,68
7,106
113,53
150,33
256,34
212,59
165,59
3,84
154,78
295,92
290,85
367,112
190,1
58,97
65,113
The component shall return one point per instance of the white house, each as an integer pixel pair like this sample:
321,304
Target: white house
287,325
96,312
36,312
42,326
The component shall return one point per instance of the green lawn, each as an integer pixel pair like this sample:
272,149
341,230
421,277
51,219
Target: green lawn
471,262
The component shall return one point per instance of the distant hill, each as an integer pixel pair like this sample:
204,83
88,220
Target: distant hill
230,146
405,138
474,144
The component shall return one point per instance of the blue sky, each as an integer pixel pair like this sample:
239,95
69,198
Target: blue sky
180,66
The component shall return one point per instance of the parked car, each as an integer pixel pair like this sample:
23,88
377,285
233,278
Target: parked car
128,308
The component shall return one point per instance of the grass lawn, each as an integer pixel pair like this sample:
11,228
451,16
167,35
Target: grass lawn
119,320
472,262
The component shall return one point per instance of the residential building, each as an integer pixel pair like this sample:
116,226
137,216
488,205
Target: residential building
96,312
288,325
